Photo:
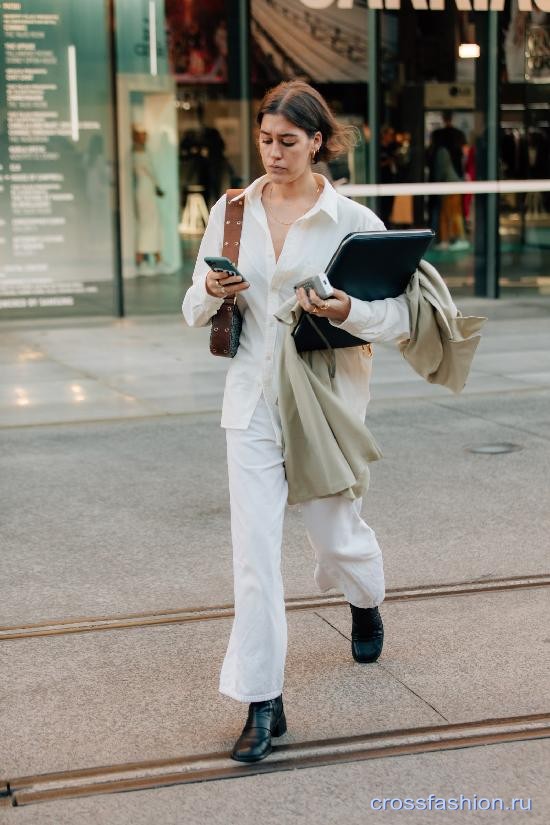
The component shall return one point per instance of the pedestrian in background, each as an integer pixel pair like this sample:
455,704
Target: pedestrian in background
451,217
293,220
446,165
388,169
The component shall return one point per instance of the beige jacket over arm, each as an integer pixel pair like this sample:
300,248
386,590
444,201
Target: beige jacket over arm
327,449
443,342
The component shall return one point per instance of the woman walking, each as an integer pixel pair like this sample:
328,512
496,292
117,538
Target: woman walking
293,220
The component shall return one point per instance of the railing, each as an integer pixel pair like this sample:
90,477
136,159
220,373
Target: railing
474,187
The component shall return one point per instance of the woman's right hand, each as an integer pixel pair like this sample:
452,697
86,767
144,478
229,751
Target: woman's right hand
220,285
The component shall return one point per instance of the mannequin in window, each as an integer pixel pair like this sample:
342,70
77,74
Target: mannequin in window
146,192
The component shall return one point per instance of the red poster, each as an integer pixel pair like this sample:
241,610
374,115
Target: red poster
197,40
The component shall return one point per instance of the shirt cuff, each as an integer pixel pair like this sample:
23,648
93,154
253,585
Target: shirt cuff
207,300
359,316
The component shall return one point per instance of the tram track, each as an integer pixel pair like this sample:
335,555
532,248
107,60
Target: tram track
149,774
86,624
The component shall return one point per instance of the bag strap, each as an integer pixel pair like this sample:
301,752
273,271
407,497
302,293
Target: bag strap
232,229
331,356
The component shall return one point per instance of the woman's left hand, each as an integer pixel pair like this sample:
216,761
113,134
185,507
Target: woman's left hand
335,308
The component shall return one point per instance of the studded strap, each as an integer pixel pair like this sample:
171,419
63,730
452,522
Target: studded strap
233,226
227,322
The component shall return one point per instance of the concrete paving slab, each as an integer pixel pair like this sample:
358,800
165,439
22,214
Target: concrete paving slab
515,362
145,357
470,657
190,403
498,338
537,378
508,307
45,410
524,413
333,794
155,385
132,695
443,513
71,392
478,383
126,520
25,373
121,517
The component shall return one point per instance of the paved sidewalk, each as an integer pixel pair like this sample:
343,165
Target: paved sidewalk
117,590
55,372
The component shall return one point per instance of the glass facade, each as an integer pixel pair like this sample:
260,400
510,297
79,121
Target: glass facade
443,101
181,137
56,159
524,217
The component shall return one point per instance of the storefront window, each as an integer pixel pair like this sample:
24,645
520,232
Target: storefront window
189,75
56,231
180,139
432,116
525,151
325,45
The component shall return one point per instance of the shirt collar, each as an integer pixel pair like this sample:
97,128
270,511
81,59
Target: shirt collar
327,202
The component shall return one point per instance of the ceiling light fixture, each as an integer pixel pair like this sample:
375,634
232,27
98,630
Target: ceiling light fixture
469,50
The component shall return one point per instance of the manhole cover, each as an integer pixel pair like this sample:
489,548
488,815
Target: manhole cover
495,449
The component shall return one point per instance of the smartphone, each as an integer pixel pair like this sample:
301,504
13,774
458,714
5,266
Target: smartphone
320,283
224,265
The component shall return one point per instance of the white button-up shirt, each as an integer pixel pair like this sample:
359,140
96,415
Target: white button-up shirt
309,246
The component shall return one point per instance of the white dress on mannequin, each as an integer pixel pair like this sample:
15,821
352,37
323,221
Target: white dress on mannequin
148,230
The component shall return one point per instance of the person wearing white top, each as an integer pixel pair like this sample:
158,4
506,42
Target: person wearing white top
293,220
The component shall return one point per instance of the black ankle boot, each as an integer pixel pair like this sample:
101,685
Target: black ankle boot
265,719
367,633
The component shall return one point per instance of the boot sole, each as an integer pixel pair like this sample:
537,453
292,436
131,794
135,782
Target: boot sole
254,759
367,660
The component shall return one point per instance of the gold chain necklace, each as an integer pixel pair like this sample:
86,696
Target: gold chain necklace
289,223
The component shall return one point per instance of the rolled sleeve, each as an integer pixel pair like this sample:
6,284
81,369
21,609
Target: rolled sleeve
376,321
198,306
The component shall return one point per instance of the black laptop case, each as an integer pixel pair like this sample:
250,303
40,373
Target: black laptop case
369,266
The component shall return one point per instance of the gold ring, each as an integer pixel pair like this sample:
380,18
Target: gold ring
314,310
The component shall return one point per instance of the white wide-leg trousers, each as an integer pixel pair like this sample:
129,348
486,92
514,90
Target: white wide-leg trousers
346,550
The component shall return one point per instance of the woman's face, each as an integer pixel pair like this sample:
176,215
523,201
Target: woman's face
285,149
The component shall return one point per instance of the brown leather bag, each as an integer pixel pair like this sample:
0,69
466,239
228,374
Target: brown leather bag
227,322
